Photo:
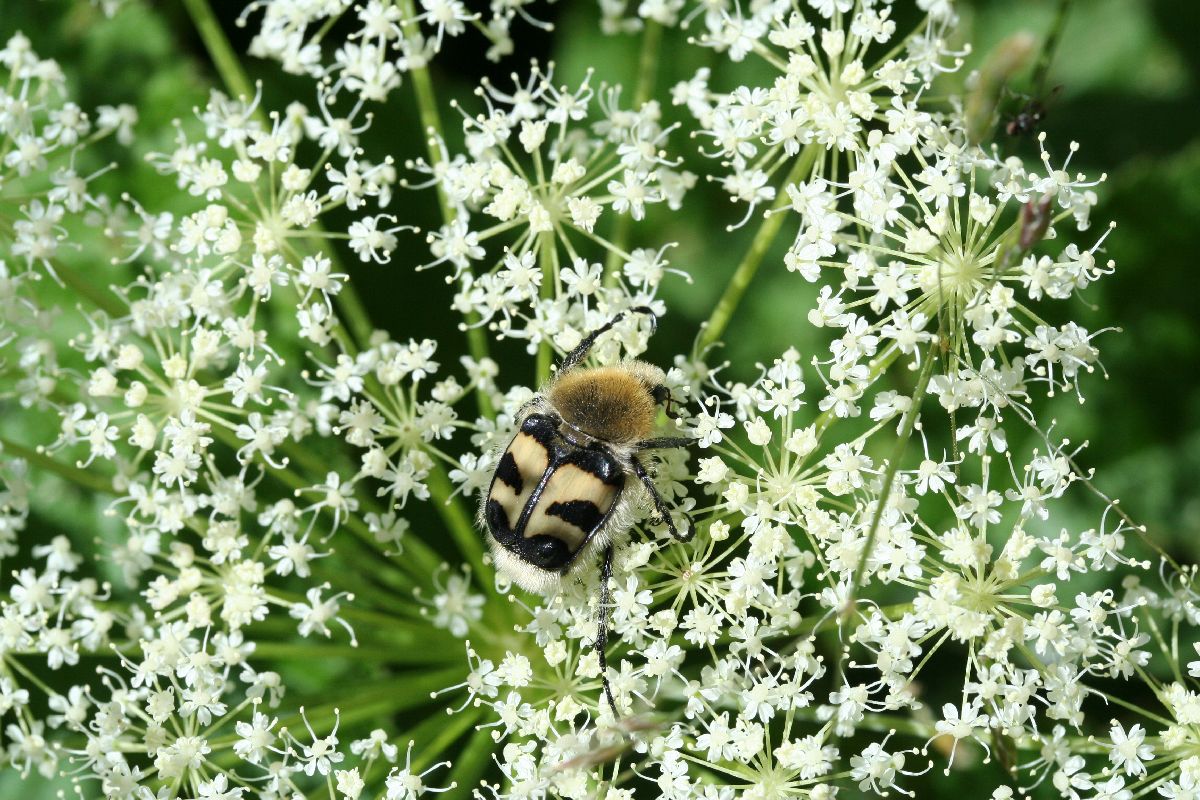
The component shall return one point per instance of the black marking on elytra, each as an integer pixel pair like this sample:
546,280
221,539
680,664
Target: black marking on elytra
547,552
599,464
508,472
583,514
542,427
497,520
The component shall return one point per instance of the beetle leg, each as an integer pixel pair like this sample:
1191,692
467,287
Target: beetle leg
603,613
660,505
665,442
572,358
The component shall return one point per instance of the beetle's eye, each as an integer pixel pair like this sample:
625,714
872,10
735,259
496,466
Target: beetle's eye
548,552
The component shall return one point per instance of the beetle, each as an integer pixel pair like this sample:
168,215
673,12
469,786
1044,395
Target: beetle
560,495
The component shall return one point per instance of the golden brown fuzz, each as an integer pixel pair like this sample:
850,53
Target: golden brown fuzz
610,403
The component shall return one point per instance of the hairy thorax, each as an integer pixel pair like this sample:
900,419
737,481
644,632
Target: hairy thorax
614,404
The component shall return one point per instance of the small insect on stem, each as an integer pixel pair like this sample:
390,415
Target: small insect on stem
1029,119
558,500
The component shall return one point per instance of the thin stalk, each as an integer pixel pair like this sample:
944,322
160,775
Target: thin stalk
349,305
647,73
907,426
80,477
1041,68
474,758
224,59
17,666
647,63
431,127
722,313
545,255
431,124
101,298
458,522
448,732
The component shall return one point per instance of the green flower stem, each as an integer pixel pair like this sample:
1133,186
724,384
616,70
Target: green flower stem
9,663
722,313
907,426
1162,643
315,463
545,355
224,59
424,650
647,72
1041,67
648,63
101,297
76,475
437,733
349,305
458,522
475,757
431,123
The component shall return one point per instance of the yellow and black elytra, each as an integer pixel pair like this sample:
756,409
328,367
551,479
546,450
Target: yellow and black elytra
559,497
550,494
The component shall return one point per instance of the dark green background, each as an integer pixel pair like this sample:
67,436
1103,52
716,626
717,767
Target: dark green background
1128,71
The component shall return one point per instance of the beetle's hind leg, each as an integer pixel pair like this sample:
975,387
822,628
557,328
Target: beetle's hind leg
660,505
665,442
604,613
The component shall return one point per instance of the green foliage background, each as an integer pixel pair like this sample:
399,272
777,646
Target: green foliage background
1130,95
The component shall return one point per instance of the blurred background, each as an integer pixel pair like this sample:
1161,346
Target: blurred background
1128,72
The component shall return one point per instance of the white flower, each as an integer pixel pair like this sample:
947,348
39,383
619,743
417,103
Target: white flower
1129,750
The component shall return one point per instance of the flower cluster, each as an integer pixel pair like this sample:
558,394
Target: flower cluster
889,577
388,42
175,397
43,177
845,99
544,173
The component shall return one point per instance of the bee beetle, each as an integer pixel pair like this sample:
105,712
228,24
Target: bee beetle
560,493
